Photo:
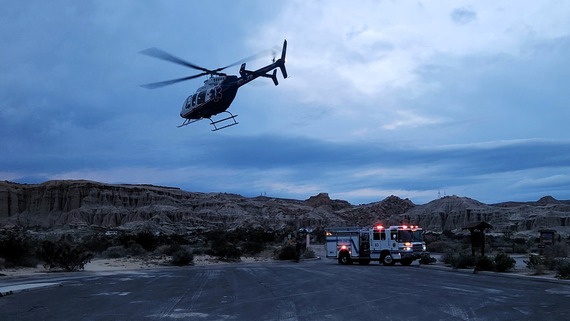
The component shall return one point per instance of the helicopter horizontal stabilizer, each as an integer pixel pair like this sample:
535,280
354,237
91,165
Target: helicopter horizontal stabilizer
273,76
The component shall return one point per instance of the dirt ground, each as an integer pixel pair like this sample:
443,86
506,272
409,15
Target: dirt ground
151,262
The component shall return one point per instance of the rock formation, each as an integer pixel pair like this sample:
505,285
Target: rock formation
87,204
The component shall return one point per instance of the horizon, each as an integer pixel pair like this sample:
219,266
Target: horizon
284,198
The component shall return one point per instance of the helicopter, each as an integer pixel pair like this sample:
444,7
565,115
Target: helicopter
219,90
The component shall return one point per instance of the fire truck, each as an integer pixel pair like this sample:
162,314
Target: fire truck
387,245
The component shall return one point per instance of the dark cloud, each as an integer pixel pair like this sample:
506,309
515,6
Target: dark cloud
463,16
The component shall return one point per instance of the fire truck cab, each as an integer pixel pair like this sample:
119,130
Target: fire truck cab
388,245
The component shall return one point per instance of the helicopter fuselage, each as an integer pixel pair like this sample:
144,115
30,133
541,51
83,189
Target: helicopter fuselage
214,97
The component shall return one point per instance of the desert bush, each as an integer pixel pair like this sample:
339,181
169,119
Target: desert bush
560,249
135,249
503,262
115,252
288,252
563,268
62,254
182,257
252,247
320,237
168,249
198,251
118,251
427,259
96,243
442,246
463,261
534,260
309,253
147,240
18,249
448,257
224,250
484,263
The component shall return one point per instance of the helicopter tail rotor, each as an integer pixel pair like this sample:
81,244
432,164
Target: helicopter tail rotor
281,60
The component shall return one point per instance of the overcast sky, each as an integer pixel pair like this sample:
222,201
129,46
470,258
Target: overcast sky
417,99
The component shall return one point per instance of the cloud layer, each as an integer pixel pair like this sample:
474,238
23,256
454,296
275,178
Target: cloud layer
412,99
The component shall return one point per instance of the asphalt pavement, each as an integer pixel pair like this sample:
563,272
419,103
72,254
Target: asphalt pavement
308,290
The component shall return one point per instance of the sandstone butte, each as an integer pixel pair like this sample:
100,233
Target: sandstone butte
77,204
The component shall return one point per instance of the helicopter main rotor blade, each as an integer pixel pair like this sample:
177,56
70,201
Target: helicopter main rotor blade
163,55
250,58
172,81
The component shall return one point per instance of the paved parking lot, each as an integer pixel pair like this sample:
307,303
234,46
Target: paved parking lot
310,290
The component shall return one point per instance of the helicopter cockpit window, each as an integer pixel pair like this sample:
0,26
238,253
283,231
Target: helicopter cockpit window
201,97
194,100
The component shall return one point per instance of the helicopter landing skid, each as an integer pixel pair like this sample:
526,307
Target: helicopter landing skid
232,117
187,122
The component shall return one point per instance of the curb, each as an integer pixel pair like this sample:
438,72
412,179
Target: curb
11,289
497,274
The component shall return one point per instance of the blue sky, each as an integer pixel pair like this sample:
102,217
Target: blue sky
410,98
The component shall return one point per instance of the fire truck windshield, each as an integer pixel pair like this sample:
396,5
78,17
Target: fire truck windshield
410,236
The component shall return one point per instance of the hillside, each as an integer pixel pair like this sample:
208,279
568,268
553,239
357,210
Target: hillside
88,204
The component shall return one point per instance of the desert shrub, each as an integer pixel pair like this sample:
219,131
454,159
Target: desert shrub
198,251
537,263
563,268
320,237
182,257
115,252
521,245
484,263
503,262
176,239
427,259
448,257
442,246
62,254
539,270
18,249
224,250
287,252
252,247
462,261
309,253
147,240
168,249
556,250
135,249
96,243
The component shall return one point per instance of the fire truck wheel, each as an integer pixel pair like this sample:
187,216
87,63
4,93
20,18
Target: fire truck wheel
344,259
387,259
